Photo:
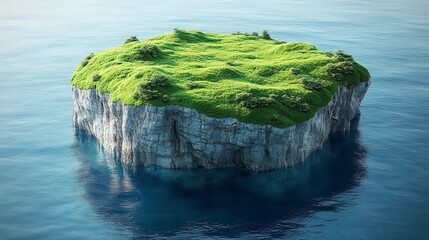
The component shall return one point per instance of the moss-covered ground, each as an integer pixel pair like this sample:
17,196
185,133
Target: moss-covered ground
252,78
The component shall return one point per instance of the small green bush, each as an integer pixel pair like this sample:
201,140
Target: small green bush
96,77
147,85
267,71
291,101
338,70
295,71
303,107
329,54
254,34
266,35
264,101
275,118
237,33
86,60
343,57
131,39
147,90
148,52
148,94
273,96
240,33
248,100
165,98
243,96
341,68
84,63
295,102
314,83
158,80
191,85
139,75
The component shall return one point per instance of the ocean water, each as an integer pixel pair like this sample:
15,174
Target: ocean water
57,183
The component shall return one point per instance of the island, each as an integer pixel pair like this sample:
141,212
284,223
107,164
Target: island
190,99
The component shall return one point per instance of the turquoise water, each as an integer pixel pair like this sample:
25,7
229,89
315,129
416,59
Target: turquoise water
57,183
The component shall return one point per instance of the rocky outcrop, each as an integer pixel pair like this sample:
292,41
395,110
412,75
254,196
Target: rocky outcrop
180,137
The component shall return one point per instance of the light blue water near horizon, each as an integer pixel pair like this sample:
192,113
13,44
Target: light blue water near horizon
57,183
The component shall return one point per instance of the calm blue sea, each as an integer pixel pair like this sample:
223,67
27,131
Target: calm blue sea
57,183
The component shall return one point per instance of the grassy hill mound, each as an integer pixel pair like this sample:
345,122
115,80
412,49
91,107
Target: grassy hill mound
252,78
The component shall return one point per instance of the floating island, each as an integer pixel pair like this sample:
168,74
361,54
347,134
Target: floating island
192,99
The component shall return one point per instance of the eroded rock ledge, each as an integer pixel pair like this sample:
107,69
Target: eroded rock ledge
179,137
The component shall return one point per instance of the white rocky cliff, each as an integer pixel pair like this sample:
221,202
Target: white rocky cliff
179,137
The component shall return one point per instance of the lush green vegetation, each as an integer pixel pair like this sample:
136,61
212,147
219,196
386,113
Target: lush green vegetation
250,77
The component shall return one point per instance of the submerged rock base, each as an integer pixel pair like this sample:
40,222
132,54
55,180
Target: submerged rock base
180,137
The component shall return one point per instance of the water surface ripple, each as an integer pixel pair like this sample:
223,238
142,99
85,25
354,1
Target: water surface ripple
57,183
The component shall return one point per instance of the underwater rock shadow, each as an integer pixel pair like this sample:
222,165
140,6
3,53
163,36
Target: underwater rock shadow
218,202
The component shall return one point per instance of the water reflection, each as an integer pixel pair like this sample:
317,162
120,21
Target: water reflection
225,202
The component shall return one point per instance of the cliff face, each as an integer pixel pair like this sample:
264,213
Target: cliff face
179,137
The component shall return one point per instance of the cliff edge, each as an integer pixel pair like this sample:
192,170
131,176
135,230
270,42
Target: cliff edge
179,137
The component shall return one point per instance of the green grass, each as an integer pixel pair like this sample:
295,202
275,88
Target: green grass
206,71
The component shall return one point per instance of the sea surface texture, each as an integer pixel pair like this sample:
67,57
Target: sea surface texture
58,183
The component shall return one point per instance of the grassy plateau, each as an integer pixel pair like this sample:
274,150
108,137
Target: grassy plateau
250,77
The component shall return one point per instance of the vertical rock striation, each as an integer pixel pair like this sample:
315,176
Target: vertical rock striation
180,137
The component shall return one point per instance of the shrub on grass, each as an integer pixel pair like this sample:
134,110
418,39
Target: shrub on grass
243,96
273,96
266,35
264,101
267,71
314,83
165,98
303,107
295,71
149,94
338,70
275,118
84,63
255,34
139,75
248,100
290,100
240,33
158,80
341,68
131,39
191,85
96,77
295,102
343,57
86,60
147,90
329,54
148,52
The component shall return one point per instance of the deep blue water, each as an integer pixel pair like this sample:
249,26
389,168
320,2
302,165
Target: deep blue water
57,183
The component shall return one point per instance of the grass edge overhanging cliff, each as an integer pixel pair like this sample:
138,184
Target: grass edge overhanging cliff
252,78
